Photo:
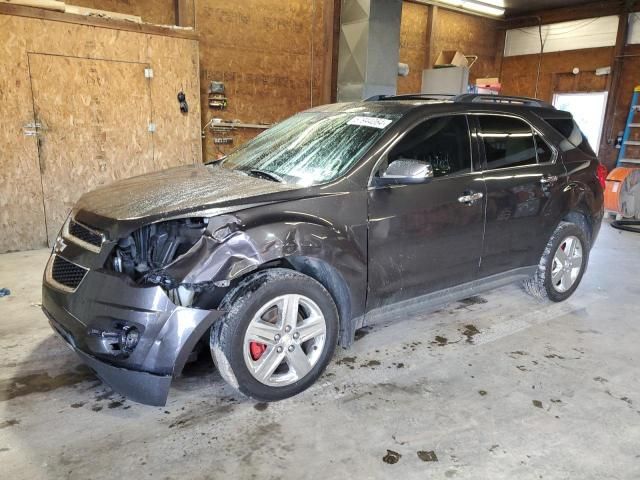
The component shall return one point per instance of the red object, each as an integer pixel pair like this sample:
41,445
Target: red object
602,175
256,349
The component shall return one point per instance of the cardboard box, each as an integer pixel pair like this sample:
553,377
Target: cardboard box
488,82
451,58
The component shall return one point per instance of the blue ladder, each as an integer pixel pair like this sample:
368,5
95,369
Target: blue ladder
635,108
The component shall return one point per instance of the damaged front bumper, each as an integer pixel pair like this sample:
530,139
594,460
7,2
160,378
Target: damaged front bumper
134,338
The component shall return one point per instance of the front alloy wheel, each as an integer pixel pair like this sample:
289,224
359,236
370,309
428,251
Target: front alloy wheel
284,340
278,335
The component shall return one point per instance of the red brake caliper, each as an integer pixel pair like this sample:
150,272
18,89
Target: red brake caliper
256,349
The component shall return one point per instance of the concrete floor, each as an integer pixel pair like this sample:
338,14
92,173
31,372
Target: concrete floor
541,391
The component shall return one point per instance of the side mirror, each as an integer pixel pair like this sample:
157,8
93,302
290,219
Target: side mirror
403,171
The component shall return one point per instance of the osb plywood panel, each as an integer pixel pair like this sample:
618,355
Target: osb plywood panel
413,45
87,142
469,34
264,56
582,82
161,12
175,68
83,41
20,190
518,74
472,35
21,213
519,78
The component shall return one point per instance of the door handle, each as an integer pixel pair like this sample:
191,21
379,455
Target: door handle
470,198
549,179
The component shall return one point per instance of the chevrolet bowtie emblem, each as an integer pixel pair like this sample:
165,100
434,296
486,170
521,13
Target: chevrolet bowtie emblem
60,245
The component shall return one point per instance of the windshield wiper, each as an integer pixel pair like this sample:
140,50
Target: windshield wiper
217,161
266,175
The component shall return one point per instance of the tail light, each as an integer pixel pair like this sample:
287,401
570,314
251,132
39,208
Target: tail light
602,172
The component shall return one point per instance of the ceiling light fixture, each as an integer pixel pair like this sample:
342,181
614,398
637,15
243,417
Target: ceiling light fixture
483,8
487,7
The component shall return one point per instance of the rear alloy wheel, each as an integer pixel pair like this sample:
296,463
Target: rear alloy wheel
562,264
566,264
278,335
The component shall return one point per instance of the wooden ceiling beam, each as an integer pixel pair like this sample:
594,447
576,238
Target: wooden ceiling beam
30,12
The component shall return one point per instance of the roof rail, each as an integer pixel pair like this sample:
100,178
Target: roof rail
480,98
411,96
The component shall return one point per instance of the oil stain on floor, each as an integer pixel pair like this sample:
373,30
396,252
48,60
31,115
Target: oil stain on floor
42,382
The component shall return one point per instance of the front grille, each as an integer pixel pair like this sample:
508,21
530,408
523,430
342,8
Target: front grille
66,273
85,234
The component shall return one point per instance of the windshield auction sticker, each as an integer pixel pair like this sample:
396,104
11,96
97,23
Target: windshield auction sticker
372,122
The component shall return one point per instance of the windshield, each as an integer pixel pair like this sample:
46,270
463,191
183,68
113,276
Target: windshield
311,147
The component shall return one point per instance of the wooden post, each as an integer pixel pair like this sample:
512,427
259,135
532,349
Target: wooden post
328,18
432,31
608,136
335,49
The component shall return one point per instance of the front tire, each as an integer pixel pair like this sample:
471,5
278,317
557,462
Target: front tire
278,335
562,265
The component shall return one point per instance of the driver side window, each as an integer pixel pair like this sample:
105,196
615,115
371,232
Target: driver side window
442,142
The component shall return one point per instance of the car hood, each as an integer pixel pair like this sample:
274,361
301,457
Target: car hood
190,190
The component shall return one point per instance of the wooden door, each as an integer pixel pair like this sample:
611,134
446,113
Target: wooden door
94,118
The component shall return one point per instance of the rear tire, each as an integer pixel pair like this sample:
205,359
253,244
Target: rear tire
278,335
559,273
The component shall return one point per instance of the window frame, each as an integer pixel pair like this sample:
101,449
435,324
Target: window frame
476,155
534,130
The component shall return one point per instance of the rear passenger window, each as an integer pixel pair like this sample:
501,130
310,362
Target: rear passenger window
508,141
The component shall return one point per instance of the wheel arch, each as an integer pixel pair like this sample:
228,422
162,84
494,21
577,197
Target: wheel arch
331,279
579,217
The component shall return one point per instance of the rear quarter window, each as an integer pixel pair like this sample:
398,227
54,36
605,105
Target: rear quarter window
569,129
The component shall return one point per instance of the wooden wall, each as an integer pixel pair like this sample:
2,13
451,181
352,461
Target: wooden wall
452,30
519,78
518,74
274,58
176,140
413,45
472,35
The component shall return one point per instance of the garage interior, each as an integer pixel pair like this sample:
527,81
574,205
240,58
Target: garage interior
494,386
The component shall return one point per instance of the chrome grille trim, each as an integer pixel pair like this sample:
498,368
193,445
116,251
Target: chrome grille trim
91,234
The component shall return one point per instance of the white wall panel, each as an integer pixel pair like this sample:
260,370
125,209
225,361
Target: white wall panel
557,37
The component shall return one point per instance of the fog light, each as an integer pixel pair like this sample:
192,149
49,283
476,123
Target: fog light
130,338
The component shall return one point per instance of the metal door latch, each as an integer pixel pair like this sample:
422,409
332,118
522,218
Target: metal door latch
470,198
549,179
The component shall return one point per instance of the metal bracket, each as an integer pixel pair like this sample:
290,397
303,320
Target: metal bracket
32,129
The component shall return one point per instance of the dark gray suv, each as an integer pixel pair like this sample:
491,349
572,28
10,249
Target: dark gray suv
281,250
